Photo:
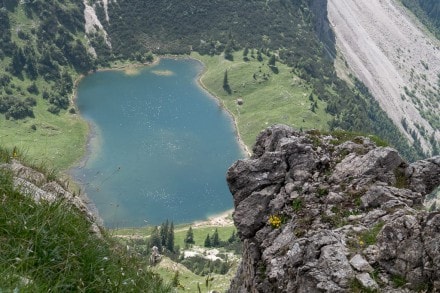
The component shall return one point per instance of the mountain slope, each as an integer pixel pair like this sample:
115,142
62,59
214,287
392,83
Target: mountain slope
391,53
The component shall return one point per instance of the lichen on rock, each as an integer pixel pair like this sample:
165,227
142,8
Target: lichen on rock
351,216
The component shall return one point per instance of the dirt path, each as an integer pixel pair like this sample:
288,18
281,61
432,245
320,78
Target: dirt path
386,48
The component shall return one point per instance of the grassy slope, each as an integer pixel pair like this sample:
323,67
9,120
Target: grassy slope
48,247
283,98
188,280
59,140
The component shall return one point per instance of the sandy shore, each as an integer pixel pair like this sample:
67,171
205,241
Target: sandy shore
223,219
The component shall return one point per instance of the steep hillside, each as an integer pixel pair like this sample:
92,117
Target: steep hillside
42,51
50,242
334,213
398,61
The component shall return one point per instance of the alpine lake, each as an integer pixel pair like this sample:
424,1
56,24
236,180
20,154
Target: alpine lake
159,148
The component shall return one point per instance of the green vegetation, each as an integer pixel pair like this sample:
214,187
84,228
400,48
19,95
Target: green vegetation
268,98
56,140
297,204
428,12
369,237
41,53
190,282
398,281
195,270
49,247
180,233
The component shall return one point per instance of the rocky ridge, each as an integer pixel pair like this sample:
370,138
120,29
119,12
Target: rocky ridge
316,213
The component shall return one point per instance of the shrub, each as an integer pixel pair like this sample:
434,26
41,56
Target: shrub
53,109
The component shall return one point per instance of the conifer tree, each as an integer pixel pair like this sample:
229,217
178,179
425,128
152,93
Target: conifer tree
189,238
208,241
164,233
170,238
155,239
232,238
226,86
215,241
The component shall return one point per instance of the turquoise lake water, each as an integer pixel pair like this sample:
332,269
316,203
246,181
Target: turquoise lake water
161,146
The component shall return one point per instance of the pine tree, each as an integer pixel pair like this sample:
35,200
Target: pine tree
226,86
164,233
170,238
189,239
245,51
215,241
207,241
228,52
259,57
233,237
175,281
272,60
155,239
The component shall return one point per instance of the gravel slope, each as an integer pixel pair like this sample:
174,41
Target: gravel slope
388,49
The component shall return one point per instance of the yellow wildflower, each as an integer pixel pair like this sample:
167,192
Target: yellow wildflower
275,221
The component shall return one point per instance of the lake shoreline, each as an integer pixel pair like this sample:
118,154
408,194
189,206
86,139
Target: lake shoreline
92,132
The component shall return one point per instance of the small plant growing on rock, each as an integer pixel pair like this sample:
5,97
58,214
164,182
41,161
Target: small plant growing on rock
322,192
398,281
369,237
275,221
297,205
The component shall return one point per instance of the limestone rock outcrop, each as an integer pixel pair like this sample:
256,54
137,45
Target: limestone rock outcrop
319,213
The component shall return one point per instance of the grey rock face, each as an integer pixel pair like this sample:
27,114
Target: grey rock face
316,214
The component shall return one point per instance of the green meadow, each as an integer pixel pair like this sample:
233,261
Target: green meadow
53,140
268,98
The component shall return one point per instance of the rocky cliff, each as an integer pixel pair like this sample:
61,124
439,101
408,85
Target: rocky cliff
316,213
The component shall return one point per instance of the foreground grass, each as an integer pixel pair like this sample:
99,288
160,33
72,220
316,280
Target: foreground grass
48,247
268,98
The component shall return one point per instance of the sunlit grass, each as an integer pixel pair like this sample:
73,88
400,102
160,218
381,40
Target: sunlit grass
268,98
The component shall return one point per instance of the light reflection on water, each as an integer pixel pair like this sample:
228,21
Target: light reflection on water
164,146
